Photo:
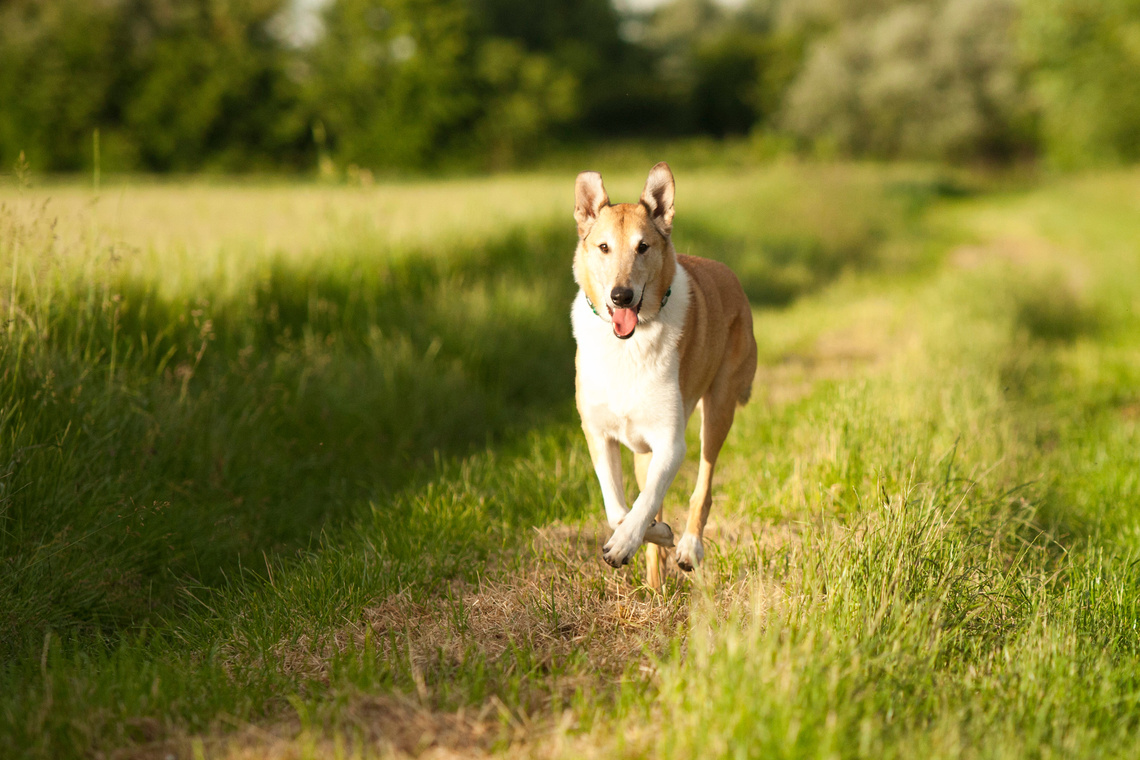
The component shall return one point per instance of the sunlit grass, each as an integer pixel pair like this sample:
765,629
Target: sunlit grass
290,469
971,590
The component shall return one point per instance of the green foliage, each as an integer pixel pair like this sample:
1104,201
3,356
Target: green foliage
415,85
300,481
580,41
724,70
207,86
391,82
524,97
182,84
937,79
170,85
56,80
1084,57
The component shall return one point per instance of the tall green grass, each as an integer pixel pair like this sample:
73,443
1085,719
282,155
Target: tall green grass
253,471
184,435
966,584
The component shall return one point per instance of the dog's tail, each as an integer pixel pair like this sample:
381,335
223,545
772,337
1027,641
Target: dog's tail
747,371
745,396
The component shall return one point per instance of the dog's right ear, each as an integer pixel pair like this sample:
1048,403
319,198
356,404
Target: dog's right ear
589,199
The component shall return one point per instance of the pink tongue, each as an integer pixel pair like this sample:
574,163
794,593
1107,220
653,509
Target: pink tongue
624,321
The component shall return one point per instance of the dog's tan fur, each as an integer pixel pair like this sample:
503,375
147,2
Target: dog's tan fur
713,366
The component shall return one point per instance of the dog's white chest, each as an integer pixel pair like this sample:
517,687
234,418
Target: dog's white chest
629,390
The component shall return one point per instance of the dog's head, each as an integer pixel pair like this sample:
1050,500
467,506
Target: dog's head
625,259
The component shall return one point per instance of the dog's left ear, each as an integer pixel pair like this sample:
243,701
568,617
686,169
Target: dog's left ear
657,197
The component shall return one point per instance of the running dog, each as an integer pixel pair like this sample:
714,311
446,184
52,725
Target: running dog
659,334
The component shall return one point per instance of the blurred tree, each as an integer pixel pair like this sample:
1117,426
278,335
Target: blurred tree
392,81
1085,59
420,83
170,84
934,79
416,84
208,85
56,79
582,40
675,32
524,97
725,69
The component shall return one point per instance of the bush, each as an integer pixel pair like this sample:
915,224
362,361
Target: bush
1085,56
937,79
391,83
722,70
55,80
525,95
190,84
169,85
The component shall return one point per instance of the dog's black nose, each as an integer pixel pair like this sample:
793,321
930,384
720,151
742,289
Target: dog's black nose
622,297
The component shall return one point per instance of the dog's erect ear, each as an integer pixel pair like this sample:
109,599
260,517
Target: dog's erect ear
657,197
589,199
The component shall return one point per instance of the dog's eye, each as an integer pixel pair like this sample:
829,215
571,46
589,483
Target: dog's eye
642,247
604,247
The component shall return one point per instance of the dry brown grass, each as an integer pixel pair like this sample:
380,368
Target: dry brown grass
588,627
834,356
555,597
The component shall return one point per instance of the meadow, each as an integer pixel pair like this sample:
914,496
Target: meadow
293,470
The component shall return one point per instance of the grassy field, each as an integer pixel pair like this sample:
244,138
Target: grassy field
294,471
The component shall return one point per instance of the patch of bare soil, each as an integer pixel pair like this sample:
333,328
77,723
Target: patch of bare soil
835,355
1026,251
389,726
1020,250
555,598
585,628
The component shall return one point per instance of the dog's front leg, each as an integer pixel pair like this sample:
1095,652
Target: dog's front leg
606,455
631,533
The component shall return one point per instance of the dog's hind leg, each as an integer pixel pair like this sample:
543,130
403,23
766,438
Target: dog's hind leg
654,554
718,407
731,387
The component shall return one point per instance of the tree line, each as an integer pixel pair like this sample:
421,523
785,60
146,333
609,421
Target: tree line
190,85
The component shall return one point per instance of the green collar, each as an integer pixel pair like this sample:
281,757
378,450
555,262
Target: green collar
664,301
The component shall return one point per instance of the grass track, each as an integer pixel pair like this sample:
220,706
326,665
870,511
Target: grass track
922,542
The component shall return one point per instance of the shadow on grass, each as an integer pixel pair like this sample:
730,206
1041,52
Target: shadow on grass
153,443
156,444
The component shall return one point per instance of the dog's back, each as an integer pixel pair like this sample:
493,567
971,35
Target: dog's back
719,326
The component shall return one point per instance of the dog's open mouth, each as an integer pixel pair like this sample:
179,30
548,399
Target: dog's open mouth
625,320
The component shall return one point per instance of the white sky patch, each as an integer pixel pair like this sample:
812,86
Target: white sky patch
639,6
300,25
402,48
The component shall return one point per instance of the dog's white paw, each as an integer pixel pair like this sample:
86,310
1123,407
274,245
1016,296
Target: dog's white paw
623,543
690,552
